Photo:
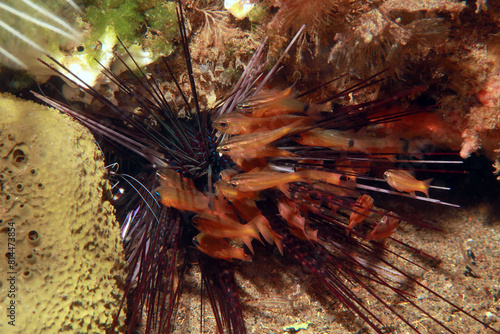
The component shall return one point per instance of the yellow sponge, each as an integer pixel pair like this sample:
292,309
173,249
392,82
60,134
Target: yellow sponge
61,262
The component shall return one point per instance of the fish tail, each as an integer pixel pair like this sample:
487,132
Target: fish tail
248,243
425,186
267,232
262,225
277,240
312,235
254,226
285,189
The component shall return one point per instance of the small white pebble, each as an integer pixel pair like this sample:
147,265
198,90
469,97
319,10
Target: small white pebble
239,8
490,317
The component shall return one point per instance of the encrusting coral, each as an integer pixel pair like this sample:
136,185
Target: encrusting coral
55,225
449,48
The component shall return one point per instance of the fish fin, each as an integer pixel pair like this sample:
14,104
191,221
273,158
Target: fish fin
236,253
255,170
277,240
270,150
248,243
251,163
361,132
351,225
246,257
312,235
285,189
264,228
426,184
267,232
390,157
253,225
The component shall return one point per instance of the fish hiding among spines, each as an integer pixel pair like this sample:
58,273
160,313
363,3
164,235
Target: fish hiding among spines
257,145
236,123
277,104
219,248
343,140
361,210
403,181
265,128
384,228
268,127
219,221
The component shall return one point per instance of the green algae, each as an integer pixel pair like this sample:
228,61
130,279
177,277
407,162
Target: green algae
152,23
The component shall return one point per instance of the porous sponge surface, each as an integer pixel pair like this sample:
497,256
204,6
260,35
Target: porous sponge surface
69,263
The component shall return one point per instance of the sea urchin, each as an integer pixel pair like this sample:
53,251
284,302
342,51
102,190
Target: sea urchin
263,165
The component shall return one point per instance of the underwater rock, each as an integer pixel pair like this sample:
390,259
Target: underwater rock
62,263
